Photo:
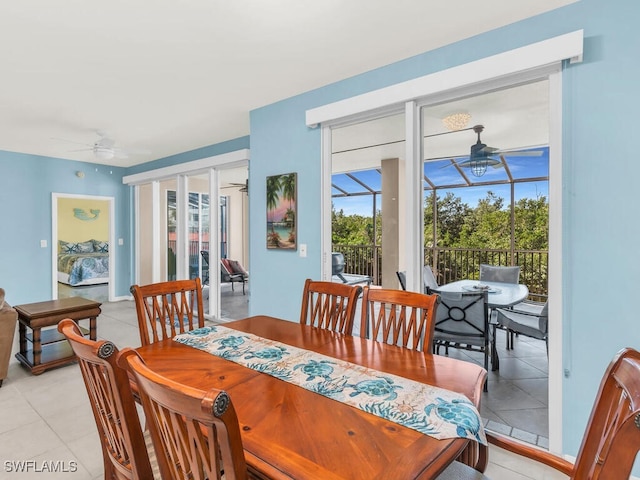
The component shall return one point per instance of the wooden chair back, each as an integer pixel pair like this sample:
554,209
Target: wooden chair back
123,444
612,438
329,305
398,317
196,432
167,309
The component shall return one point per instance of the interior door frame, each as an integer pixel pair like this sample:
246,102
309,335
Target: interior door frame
54,239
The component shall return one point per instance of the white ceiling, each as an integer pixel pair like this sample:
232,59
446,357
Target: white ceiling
169,77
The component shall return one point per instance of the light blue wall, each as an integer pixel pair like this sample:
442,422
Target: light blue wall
600,209
26,185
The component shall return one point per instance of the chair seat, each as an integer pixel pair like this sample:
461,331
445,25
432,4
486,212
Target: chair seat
460,471
525,324
460,339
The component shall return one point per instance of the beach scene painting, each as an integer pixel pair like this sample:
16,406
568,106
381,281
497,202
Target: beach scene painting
281,211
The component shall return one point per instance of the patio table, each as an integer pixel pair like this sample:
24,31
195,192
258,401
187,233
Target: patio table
501,295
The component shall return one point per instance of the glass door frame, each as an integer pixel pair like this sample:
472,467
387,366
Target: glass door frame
181,172
524,64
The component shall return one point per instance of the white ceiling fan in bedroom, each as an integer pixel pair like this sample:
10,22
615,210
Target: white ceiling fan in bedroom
105,149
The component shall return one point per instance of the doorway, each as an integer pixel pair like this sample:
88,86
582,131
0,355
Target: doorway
82,241
174,219
519,118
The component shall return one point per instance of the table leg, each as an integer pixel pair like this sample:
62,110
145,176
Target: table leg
37,346
22,330
93,330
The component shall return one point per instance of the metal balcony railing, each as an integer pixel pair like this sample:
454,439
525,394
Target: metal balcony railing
452,264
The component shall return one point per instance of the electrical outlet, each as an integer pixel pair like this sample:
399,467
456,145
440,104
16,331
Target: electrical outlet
43,244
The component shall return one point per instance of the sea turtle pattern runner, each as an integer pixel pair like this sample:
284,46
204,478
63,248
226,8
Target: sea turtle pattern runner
430,410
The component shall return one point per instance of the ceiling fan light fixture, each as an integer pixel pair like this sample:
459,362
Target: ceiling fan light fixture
478,167
103,153
456,121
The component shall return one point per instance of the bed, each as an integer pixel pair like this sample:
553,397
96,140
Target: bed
83,263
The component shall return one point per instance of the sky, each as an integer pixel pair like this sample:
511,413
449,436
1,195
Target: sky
442,173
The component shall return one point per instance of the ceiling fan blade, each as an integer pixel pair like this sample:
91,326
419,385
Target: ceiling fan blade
519,153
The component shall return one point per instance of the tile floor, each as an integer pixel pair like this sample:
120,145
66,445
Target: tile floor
47,419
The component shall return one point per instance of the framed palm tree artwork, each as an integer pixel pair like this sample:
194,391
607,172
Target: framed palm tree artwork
281,211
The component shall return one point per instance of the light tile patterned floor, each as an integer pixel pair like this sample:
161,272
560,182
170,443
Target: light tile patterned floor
47,419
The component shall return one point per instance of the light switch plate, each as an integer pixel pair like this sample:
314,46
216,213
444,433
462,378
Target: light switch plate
303,250
43,244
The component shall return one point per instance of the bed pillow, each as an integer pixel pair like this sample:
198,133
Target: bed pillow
100,246
67,247
85,247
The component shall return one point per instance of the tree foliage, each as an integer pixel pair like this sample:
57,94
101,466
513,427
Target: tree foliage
485,226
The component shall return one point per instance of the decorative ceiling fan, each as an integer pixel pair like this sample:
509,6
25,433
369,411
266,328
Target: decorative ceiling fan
481,156
104,148
242,187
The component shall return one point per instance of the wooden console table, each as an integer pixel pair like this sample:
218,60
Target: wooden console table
49,348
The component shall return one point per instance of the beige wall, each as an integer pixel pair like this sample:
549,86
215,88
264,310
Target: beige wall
238,226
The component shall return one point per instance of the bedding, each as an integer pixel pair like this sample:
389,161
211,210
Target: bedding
83,263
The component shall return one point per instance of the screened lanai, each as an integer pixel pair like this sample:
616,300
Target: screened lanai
493,142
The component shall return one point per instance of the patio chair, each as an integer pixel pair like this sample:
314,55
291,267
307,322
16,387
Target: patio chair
166,309
205,259
124,447
329,305
462,322
232,272
612,437
429,279
528,318
402,278
195,433
492,273
396,317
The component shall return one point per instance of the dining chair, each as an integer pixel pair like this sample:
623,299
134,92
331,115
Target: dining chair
195,432
611,441
398,317
329,305
492,273
166,309
429,279
124,450
530,319
462,322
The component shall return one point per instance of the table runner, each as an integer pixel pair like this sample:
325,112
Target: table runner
433,411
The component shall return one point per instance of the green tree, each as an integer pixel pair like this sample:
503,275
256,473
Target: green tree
532,223
451,215
487,226
351,229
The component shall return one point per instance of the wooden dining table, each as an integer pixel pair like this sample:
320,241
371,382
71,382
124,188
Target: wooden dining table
289,432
